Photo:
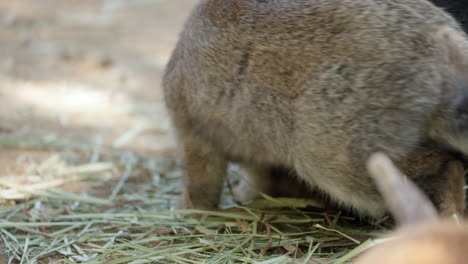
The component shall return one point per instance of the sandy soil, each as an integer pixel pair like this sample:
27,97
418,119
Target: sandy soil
83,71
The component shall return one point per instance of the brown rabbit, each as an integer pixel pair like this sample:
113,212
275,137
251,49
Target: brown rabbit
423,238
316,87
439,172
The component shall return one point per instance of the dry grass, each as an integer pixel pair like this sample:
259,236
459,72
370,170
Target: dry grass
131,218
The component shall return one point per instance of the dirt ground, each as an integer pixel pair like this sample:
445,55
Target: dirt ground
83,71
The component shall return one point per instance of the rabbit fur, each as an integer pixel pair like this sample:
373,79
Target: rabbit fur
422,238
316,87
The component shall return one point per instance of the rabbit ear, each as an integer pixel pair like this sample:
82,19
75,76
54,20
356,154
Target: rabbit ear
404,200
